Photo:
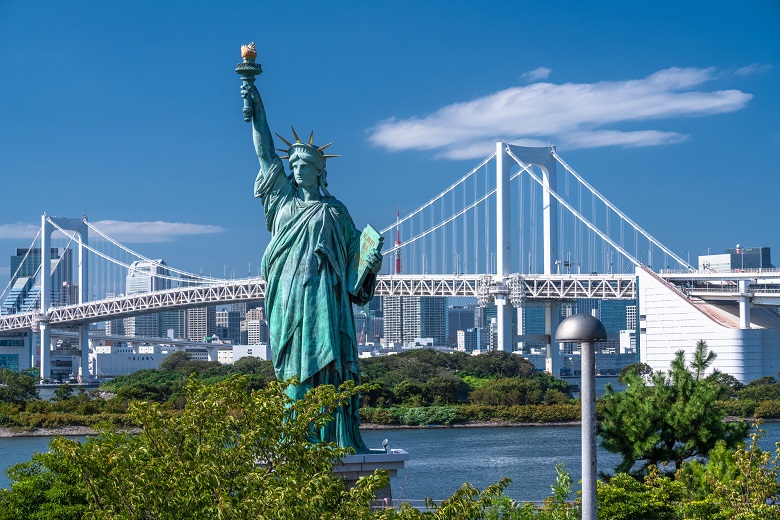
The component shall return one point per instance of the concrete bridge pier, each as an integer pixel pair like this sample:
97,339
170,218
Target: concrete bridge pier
45,355
552,318
84,346
744,304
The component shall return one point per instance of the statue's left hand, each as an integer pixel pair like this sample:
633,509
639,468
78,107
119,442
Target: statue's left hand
375,262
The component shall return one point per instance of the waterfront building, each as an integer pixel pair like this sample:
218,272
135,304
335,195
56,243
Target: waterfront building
747,345
737,259
258,350
16,352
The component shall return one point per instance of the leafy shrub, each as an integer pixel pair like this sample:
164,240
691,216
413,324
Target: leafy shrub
424,416
767,410
738,407
377,416
508,392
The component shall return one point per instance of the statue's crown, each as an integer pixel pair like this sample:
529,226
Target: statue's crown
306,151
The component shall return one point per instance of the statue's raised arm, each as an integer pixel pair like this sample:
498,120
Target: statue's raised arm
254,109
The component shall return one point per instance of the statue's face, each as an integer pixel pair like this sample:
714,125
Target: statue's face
305,174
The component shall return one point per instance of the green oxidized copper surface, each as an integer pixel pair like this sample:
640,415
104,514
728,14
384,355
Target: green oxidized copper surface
308,301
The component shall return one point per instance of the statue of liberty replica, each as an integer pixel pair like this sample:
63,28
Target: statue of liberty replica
316,266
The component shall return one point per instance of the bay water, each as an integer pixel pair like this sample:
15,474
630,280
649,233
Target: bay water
442,459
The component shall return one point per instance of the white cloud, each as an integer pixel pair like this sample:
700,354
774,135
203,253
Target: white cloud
571,115
157,231
536,74
130,232
19,230
753,68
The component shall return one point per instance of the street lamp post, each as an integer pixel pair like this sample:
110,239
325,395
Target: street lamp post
586,330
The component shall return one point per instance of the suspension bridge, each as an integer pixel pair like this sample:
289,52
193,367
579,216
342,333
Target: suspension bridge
521,227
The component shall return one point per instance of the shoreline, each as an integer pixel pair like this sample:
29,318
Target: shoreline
81,431
61,431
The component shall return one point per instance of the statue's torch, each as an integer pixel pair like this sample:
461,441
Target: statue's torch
248,69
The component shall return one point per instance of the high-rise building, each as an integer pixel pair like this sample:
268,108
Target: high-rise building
172,322
254,329
229,325
407,318
459,318
243,307
530,318
200,323
144,277
614,314
143,326
25,283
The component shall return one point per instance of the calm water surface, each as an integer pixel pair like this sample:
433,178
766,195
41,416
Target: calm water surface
441,460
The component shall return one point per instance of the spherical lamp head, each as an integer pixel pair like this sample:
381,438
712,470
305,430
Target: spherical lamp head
580,328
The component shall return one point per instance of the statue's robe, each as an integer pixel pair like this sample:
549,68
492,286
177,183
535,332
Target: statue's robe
308,304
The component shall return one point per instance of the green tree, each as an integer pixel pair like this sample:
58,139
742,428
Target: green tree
63,392
654,497
16,387
671,418
229,454
446,389
45,487
497,364
508,392
737,483
641,369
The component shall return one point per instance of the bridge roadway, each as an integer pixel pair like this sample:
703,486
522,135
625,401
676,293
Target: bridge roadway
764,290
486,287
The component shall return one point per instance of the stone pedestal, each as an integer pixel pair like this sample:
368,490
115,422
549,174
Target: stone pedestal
353,467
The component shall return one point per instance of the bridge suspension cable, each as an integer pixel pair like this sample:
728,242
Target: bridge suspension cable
438,197
573,211
623,216
189,276
129,267
459,213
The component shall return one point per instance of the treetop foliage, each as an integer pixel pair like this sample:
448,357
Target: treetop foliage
670,418
16,387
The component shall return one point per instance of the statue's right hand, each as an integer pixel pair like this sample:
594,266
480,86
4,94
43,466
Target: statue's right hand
250,93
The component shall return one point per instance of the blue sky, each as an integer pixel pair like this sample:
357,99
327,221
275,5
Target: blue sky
130,112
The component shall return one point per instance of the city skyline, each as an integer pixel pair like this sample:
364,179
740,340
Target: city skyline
135,119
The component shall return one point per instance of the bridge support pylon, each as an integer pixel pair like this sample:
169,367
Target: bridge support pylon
503,247
543,158
81,232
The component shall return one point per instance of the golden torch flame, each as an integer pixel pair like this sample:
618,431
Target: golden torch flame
249,51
